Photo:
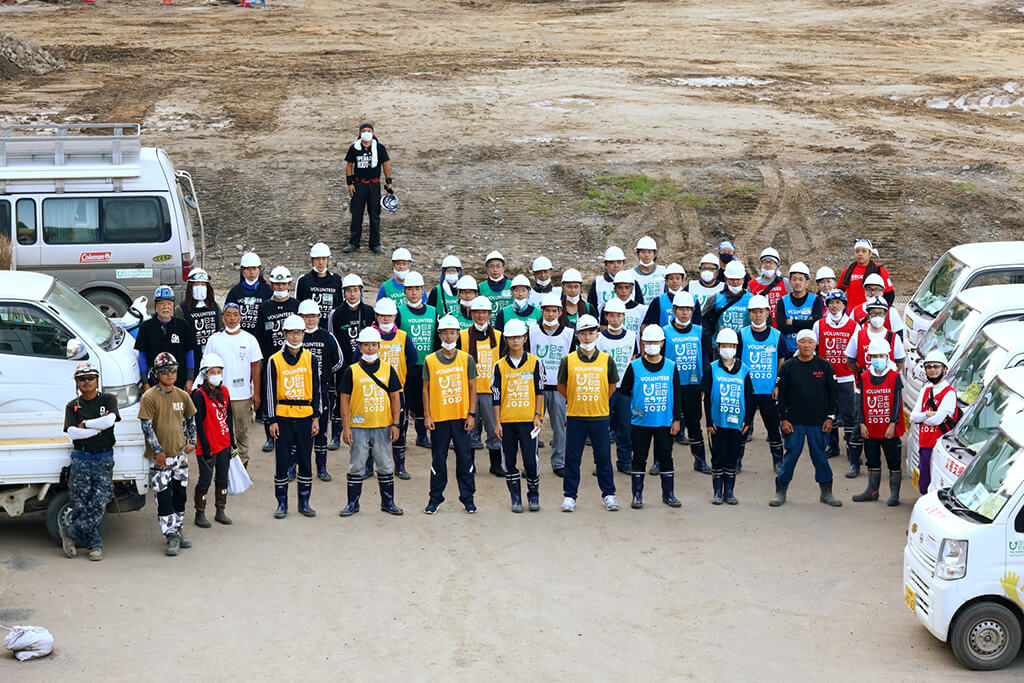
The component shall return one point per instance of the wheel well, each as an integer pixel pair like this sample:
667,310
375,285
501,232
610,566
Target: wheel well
999,599
110,290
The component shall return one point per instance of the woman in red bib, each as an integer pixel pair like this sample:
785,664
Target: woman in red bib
881,422
935,414
215,438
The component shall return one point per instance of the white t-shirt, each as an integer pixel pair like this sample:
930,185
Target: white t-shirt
651,284
898,352
238,351
621,349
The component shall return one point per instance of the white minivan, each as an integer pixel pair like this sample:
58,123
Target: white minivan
90,206
960,268
963,564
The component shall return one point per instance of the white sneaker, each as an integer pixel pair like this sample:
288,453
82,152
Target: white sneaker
610,504
568,505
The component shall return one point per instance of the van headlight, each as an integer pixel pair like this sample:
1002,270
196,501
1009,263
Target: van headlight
127,394
952,560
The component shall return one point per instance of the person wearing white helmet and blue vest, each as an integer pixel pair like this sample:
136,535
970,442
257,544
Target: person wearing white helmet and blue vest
270,333
497,288
759,352
483,343
394,287
517,395
625,291
542,269
552,340
659,311
651,387
320,284
648,275
621,344
706,285
445,297
521,307
418,320
684,346
728,401
603,287
325,347
936,412
770,282
728,309
799,309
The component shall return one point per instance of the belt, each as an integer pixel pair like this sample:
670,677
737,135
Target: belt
85,455
368,180
294,402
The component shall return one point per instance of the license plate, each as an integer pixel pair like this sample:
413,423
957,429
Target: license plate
908,597
916,477
906,417
910,323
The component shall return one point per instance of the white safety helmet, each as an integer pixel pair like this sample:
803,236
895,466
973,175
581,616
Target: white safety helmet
451,262
800,267
467,282
401,254
481,303
551,299
369,335
448,322
280,274
520,281
210,360
351,280
308,307
293,322
684,300
494,255
413,279
758,301
541,263
652,333
675,269
879,347
936,356
807,334
515,328
825,272
710,258
734,270
623,277
572,275
614,254
772,253
319,250
615,305
250,259
876,302
386,306
646,243
874,279
198,275
727,335
587,322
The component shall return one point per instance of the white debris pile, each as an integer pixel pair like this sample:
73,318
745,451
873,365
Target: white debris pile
28,642
26,56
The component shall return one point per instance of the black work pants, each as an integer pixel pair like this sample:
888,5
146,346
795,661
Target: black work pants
366,197
642,437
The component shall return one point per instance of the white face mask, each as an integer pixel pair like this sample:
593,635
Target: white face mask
370,357
878,321
646,264
707,275
280,296
573,299
366,136
400,274
544,283
496,279
232,330
386,328
552,323
448,346
479,327
215,380
251,283
759,327
311,330
652,349
735,290
727,354
835,317
768,273
588,346
320,270
614,328
199,292
293,346
451,278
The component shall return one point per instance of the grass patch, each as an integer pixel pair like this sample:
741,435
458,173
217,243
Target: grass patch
740,189
535,201
969,188
610,193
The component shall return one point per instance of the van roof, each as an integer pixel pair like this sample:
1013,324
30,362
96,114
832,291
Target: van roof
994,297
24,286
979,254
1008,334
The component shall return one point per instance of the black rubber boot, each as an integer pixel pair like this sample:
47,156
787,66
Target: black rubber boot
781,489
700,463
305,488
533,494
637,481
777,454
355,489
895,479
826,496
871,492
729,481
221,501
515,491
387,495
201,520
281,493
832,450
854,446
655,470
400,466
293,471
717,486
321,465
668,492
495,456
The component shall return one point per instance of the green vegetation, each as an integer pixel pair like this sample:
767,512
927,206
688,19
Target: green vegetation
618,193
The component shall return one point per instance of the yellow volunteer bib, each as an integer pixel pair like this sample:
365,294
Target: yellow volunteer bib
486,357
294,397
518,391
369,405
393,353
587,386
449,386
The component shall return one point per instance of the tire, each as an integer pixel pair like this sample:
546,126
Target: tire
110,304
59,505
986,636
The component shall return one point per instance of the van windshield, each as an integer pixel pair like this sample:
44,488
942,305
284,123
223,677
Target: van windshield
937,287
945,332
993,478
996,402
981,360
82,315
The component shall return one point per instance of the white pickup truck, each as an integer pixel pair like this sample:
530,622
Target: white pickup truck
46,328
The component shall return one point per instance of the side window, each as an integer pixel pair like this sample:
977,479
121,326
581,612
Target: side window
1007,276
28,331
26,221
5,235
94,220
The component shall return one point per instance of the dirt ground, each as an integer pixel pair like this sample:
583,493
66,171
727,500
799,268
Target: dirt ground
520,125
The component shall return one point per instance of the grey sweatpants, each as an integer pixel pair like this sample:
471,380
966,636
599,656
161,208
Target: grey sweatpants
484,420
554,408
362,439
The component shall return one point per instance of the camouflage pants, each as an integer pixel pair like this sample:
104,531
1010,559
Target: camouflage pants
91,486
170,485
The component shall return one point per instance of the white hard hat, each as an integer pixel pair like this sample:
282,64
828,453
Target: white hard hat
250,259
515,328
494,255
874,279
280,274
551,299
210,360
467,282
615,305
541,263
936,356
293,322
319,250
572,275
413,279
800,267
369,335
684,300
727,335
586,322
652,333
623,277
351,280
520,281
198,275
758,301
807,334
825,272
386,306
771,253
401,254
614,254
675,269
879,347
481,303
448,322
646,243
451,262
710,258
734,270
308,307
876,302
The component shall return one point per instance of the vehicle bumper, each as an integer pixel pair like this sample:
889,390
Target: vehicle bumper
933,602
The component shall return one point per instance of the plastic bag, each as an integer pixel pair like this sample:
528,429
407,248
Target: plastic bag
238,477
29,642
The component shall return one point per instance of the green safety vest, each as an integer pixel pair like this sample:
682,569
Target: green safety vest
511,314
499,300
446,305
394,291
464,323
420,327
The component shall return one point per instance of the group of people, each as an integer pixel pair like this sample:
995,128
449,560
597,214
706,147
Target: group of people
644,359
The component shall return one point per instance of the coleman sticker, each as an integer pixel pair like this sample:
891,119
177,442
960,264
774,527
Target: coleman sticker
161,257
94,257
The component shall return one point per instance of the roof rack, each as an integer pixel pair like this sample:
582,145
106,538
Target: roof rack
54,151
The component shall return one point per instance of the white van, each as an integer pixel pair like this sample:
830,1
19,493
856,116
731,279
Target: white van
960,268
96,209
1002,398
963,565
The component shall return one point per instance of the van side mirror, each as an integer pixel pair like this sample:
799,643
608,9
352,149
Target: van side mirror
76,350
1018,524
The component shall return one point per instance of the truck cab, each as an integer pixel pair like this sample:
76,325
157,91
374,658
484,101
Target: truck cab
964,559
962,267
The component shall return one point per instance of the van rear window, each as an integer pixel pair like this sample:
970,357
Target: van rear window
104,220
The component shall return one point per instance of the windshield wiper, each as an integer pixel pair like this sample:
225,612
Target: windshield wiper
953,503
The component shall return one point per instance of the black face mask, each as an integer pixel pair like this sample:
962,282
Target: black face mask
725,258
936,380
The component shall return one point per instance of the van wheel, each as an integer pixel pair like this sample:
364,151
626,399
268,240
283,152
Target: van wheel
111,305
986,636
60,505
